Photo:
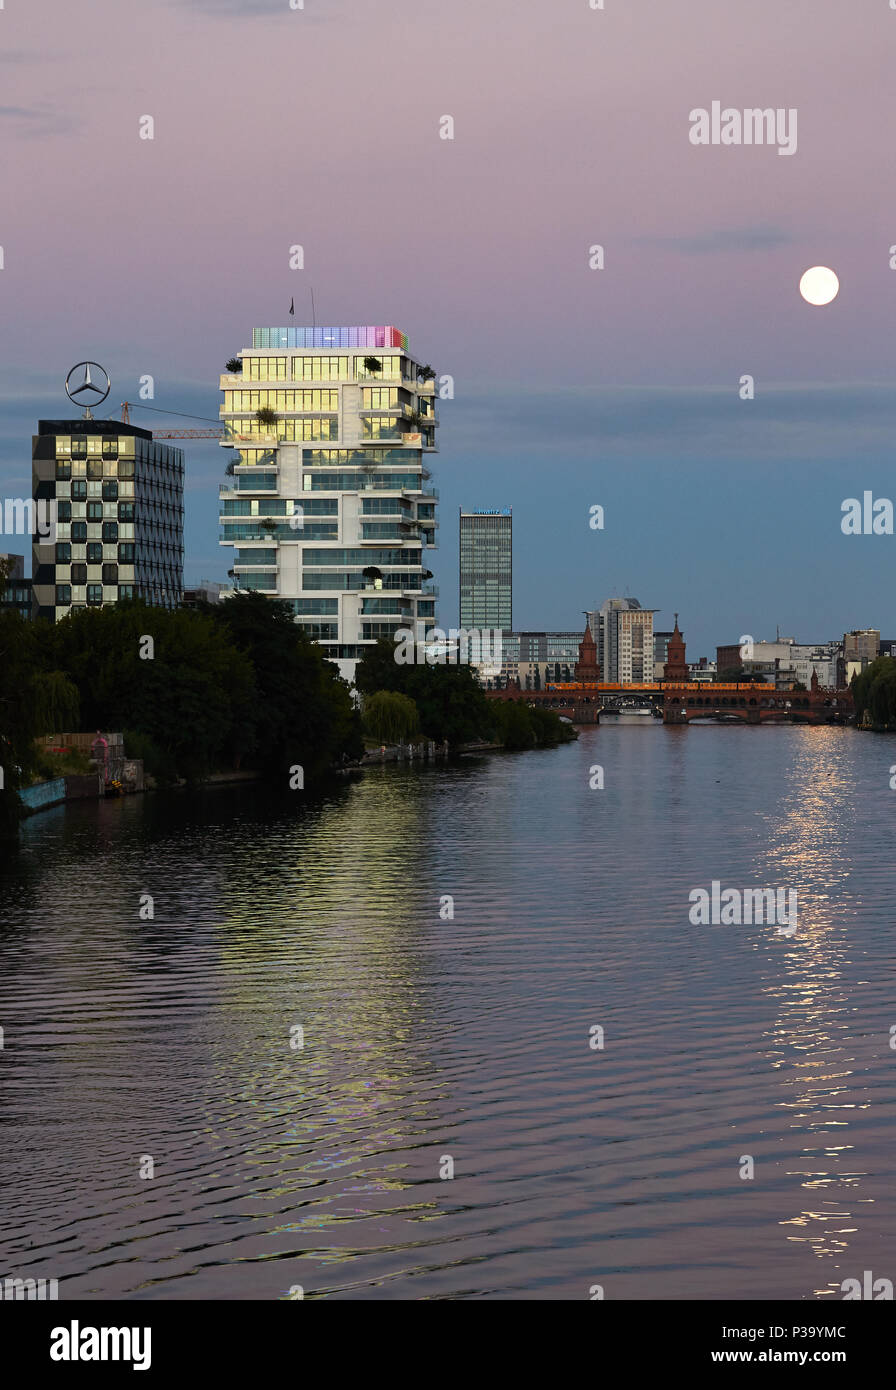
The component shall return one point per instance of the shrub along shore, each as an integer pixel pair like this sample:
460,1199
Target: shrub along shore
232,686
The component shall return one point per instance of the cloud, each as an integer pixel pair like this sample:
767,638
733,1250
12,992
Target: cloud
31,123
806,422
244,9
730,239
24,55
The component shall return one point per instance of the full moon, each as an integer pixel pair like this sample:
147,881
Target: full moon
819,285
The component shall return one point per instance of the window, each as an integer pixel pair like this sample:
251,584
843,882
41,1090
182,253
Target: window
94,553
79,490
79,448
95,593
251,579
110,531
321,369
79,574
95,469
63,470
126,468
126,553
110,574
110,448
63,594
125,511
94,513
316,605
63,553
320,632
264,368
379,398
63,511
110,490
79,530
125,591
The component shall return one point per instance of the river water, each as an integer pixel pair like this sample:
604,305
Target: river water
170,1046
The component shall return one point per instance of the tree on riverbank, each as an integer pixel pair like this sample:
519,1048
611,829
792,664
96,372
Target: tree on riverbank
302,710
195,691
390,717
874,693
34,700
451,703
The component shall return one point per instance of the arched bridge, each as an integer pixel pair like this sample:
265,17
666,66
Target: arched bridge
683,702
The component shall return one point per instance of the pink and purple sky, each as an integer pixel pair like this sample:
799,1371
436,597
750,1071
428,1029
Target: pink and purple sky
320,126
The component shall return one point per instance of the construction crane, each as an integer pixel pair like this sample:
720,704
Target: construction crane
172,434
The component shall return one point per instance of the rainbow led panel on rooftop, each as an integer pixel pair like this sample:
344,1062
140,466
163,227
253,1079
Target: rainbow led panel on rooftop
376,337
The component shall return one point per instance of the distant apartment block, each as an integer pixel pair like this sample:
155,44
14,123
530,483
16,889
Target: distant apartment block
862,645
536,658
623,633
329,506
206,591
786,661
486,569
660,653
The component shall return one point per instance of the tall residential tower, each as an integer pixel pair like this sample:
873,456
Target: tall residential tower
330,505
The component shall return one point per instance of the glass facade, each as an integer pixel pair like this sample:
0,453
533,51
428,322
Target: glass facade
366,337
486,570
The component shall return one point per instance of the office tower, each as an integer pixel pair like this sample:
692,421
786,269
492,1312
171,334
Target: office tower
119,516
486,570
623,633
329,507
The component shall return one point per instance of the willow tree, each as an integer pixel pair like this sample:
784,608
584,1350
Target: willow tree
390,717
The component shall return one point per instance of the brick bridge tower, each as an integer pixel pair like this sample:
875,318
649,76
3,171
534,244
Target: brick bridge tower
676,668
587,671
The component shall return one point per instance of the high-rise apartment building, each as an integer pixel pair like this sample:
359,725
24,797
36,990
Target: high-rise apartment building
116,497
623,633
486,570
330,507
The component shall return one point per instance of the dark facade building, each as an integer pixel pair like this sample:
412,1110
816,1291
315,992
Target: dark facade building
117,500
16,593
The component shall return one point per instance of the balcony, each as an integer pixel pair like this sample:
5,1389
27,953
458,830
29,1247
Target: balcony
231,438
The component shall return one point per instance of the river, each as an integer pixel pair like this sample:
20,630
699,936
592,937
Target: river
429,1041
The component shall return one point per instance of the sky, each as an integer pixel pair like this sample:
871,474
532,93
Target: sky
320,126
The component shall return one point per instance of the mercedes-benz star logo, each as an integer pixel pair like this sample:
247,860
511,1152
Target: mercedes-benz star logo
81,384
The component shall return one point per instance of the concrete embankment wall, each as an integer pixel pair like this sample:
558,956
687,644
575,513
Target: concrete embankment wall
44,794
